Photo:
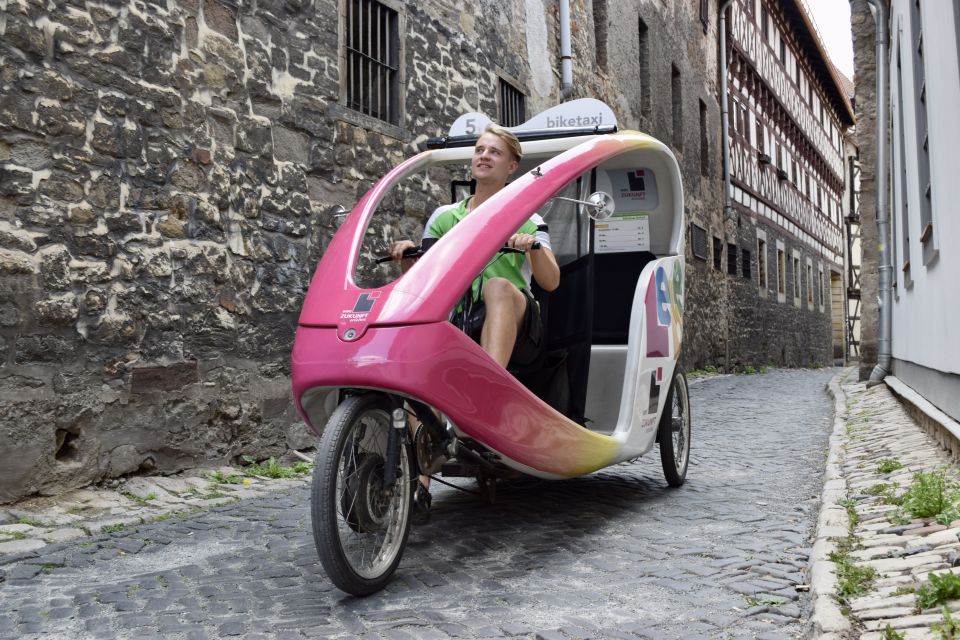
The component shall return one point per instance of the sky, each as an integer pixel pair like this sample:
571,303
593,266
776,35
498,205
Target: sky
832,18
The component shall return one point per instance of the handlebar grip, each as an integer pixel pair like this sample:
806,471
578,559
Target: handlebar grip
409,252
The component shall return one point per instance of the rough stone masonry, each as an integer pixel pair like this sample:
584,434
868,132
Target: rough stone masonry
166,176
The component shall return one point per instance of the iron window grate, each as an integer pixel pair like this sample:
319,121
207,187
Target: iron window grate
373,52
512,108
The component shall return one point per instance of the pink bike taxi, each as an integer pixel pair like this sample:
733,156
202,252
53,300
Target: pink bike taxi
376,348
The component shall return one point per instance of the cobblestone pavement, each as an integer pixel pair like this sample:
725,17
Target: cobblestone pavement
612,555
876,451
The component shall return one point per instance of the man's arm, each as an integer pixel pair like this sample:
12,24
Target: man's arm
543,263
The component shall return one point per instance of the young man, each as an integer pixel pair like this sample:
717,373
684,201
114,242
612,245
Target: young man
512,331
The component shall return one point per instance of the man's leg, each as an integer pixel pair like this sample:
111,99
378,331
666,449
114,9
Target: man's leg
506,306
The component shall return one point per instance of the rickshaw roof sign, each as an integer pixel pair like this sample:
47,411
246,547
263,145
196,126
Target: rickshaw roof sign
585,112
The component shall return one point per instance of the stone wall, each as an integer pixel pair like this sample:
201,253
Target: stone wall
167,175
865,67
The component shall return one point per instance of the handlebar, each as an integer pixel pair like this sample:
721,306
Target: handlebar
416,252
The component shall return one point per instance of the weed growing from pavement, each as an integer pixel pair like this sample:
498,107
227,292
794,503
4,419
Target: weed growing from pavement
19,535
30,521
888,465
140,499
887,492
219,477
905,591
930,495
271,468
949,629
113,528
939,588
890,634
852,579
701,373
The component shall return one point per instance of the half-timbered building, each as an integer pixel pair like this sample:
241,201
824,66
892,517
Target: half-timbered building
788,113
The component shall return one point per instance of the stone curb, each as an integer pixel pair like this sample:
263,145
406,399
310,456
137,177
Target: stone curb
878,445
833,522
36,525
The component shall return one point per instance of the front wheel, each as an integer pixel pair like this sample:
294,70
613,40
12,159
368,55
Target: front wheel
360,523
674,430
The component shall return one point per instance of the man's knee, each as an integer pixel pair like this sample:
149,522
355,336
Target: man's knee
499,290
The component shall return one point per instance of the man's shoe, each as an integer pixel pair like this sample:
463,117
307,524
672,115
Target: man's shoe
420,511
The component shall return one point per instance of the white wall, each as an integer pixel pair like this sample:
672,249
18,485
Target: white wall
926,312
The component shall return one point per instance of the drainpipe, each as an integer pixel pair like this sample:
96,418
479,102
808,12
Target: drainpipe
566,57
883,214
725,114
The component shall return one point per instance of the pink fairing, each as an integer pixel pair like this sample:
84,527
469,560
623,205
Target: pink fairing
431,288
442,367
396,338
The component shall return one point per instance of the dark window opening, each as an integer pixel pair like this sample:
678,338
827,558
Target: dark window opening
645,89
512,110
704,141
676,95
746,267
698,241
765,24
731,259
705,14
600,25
66,446
717,253
373,60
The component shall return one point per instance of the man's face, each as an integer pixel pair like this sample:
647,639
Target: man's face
492,160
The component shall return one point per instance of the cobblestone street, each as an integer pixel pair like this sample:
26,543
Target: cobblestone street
612,555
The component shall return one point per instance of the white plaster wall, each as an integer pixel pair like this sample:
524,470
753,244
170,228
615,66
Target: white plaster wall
925,315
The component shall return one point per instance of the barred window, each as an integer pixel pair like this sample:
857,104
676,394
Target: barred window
731,259
512,111
373,60
698,241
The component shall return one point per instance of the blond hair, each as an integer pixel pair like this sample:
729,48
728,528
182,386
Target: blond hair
508,138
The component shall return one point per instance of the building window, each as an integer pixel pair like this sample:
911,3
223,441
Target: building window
676,98
900,197
765,24
698,241
762,265
820,288
783,52
781,274
745,264
796,279
705,14
809,284
731,259
717,253
704,141
373,60
922,134
645,89
512,112
761,147
600,26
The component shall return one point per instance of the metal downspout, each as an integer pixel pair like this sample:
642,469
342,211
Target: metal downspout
566,57
725,114
884,352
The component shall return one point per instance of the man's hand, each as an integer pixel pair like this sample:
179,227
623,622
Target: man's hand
397,249
522,241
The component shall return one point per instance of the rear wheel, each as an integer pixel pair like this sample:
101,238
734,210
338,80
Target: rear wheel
360,524
674,430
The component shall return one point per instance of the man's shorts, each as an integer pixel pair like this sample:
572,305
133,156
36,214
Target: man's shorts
528,348
529,345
